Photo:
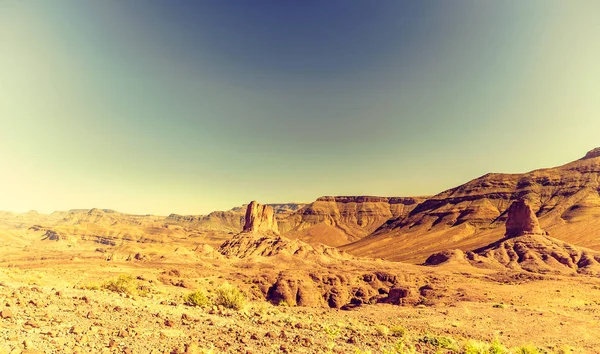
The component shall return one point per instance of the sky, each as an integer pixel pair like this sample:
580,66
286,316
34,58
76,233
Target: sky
191,106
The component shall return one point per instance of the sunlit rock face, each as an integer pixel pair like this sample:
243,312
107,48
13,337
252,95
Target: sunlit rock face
522,220
260,218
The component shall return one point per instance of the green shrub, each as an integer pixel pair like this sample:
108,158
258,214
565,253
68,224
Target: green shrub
230,297
476,347
126,284
398,331
197,298
90,286
401,348
440,342
382,330
496,347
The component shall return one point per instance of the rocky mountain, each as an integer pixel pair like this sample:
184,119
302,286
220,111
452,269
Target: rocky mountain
225,221
566,200
336,221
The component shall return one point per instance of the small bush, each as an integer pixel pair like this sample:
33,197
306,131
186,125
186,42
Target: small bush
230,297
499,306
90,286
382,330
197,298
476,347
440,342
126,284
398,331
401,348
496,347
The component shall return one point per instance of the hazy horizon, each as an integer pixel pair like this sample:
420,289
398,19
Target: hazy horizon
188,107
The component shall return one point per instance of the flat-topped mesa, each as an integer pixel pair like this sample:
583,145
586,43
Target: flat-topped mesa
260,218
522,220
592,154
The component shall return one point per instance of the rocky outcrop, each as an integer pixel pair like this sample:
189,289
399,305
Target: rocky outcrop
592,154
337,289
538,254
522,220
525,248
52,235
445,257
260,218
247,245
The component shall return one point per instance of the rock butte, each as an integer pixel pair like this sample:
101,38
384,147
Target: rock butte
260,218
522,220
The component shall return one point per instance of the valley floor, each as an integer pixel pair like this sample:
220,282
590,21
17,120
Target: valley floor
56,307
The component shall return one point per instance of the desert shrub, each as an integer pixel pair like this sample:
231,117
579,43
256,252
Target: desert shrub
499,306
90,286
126,284
496,347
526,349
332,331
439,342
358,351
401,348
476,347
197,298
382,330
398,331
230,297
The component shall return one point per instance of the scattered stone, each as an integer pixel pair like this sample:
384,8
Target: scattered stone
6,314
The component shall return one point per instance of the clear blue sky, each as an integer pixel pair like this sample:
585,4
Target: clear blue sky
193,106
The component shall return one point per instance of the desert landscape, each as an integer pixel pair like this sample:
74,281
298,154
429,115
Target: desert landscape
506,263
300,176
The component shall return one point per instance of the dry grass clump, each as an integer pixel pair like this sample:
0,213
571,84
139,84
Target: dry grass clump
126,284
197,298
230,297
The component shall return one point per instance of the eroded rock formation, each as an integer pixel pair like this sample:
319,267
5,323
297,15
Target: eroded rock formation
522,220
260,218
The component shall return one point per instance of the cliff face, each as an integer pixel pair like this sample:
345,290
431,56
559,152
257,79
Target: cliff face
336,221
566,200
260,218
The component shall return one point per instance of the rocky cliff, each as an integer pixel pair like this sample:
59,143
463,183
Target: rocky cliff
260,219
336,221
